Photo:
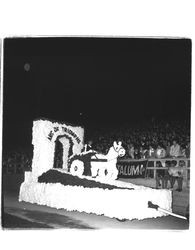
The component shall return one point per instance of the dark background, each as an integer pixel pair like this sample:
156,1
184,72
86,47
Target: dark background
93,82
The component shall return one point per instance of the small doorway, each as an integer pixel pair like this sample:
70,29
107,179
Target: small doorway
58,155
63,150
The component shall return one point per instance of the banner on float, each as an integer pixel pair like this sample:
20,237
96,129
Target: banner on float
132,169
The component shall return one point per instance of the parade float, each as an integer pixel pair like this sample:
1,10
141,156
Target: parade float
87,180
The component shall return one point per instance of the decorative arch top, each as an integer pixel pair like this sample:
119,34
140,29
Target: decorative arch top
45,129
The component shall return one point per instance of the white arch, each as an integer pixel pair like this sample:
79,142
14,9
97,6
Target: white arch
44,136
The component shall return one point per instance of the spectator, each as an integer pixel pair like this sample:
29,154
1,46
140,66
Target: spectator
131,151
176,173
88,146
137,154
187,151
175,149
160,152
151,152
180,176
160,175
173,174
142,152
168,148
167,177
183,151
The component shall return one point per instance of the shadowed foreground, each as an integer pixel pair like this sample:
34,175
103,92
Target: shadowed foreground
38,219
20,215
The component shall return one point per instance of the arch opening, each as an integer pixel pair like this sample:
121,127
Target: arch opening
58,155
63,150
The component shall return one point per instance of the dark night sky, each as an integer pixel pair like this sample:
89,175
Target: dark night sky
109,81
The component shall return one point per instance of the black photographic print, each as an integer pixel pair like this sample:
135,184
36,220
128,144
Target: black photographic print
96,133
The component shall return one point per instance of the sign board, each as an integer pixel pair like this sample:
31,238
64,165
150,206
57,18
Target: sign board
131,168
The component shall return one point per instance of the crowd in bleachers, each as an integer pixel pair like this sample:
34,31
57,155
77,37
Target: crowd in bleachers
148,140
142,141
16,161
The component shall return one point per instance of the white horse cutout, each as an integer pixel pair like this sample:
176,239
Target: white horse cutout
104,166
